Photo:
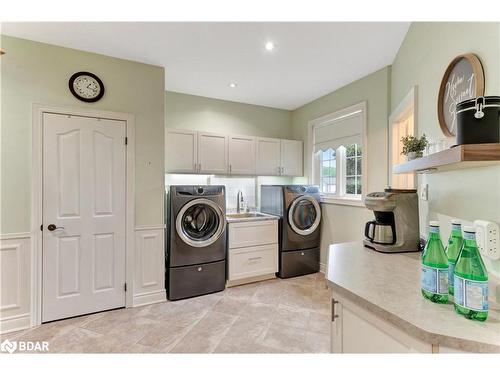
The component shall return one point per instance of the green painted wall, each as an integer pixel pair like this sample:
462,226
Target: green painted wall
346,223
428,48
184,111
33,72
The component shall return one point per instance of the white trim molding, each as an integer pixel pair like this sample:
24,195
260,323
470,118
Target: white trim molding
37,198
149,283
15,289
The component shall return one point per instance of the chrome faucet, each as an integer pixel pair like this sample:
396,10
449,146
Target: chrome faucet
239,201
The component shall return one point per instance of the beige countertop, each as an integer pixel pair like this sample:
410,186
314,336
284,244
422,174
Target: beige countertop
232,217
388,285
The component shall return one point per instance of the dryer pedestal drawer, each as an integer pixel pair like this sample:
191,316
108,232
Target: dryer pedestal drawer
190,281
249,262
299,262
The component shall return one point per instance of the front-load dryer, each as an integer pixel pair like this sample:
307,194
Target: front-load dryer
298,207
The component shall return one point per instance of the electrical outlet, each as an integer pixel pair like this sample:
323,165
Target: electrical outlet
487,238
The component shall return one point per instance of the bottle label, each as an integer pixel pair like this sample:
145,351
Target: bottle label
471,294
457,227
433,229
434,280
451,273
469,235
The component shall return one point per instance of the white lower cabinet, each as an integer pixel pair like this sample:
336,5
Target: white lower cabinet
356,330
253,251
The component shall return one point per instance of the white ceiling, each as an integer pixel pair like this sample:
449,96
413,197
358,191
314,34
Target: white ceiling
309,61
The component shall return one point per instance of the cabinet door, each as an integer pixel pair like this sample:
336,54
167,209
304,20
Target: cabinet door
212,153
181,151
268,156
241,155
291,157
357,330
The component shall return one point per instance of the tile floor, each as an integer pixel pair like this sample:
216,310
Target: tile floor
274,316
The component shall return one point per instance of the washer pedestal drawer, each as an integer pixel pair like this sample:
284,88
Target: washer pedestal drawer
298,262
191,281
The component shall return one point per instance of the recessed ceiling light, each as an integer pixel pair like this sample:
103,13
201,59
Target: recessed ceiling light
232,85
269,46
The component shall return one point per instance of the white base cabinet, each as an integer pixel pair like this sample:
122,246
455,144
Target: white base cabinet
252,251
356,330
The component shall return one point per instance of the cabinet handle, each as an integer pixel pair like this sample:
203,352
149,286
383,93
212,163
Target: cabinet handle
282,170
199,167
230,168
255,258
333,309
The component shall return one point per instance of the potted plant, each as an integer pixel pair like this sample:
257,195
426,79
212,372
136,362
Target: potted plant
413,147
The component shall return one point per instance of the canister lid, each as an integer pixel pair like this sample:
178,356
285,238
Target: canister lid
490,101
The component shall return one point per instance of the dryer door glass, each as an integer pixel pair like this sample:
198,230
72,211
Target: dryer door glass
200,223
304,215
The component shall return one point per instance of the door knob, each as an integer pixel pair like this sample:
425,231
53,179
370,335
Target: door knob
52,227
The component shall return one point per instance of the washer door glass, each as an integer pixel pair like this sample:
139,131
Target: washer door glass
304,215
200,222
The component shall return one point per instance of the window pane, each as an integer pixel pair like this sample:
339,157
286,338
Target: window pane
359,150
358,185
358,170
350,166
350,188
350,150
328,171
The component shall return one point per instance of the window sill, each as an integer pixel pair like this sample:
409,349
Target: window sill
356,202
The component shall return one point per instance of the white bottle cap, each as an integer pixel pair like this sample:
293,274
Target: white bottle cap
456,221
469,229
434,223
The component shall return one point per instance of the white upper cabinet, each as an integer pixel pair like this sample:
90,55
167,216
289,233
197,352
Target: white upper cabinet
181,151
291,157
188,151
268,156
241,155
212,153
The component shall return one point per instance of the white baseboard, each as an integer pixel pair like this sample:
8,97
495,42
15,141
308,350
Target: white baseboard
149,298
322,267
15,323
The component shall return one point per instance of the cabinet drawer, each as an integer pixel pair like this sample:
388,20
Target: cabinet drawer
253,233
253,261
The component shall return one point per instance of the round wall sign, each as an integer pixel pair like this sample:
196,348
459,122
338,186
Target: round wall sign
462,80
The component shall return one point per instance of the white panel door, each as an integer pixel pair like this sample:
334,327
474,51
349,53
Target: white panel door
212,153
291,157
268,156
84,197
241,155
181,151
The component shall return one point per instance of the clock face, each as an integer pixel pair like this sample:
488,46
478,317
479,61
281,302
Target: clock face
86,86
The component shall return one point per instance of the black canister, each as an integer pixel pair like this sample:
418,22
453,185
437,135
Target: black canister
478,120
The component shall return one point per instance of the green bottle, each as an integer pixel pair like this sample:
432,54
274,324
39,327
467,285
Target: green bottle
453,249
434,275
471,280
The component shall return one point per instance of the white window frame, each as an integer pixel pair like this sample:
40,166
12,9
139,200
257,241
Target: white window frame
406,106
314,176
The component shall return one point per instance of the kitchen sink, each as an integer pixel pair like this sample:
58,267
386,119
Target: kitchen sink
245,215
248,216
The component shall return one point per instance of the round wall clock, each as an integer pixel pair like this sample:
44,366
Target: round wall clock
462,80
86,87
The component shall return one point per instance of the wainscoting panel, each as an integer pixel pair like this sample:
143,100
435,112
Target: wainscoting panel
149,273
15,283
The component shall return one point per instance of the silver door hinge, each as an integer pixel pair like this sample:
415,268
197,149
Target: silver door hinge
125,287
126,141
